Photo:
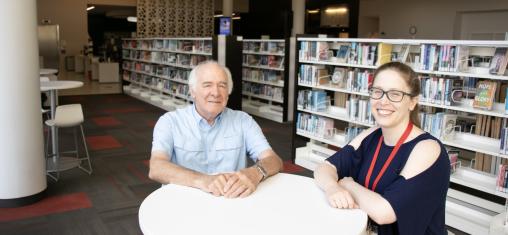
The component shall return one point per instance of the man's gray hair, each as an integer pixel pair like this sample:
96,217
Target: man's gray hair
193,75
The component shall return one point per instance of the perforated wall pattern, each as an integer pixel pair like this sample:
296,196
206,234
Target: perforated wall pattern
175,18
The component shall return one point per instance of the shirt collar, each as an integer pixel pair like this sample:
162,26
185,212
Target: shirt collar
200,120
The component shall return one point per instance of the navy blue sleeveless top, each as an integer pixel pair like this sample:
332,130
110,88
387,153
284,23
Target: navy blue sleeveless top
418,202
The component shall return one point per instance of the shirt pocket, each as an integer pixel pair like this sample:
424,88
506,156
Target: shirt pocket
229,153
189,154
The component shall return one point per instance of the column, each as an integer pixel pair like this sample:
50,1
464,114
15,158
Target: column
227,11
22,166
298,17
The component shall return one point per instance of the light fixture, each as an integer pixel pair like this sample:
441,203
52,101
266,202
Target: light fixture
236,18
313,11
132,19
218,16
90,8
336,10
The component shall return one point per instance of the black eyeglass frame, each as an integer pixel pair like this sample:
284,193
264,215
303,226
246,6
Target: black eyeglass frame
388,96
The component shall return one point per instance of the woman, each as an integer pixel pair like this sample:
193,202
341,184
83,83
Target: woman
395,172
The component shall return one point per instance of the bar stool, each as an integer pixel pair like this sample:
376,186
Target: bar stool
70,115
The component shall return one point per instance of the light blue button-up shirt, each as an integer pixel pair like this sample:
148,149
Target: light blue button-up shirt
191,142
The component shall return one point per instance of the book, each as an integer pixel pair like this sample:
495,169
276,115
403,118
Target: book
498,62
485,92
343,53
384,53
449,121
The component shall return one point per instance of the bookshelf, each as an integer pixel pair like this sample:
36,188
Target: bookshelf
265,78
157,69
332,107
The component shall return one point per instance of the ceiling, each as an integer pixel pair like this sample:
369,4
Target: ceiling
113,11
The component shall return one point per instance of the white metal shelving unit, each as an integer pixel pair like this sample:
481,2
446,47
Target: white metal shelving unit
149,86
263,69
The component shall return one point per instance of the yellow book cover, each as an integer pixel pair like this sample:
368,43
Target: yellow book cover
384,53
485,92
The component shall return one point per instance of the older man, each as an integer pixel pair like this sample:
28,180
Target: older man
205,145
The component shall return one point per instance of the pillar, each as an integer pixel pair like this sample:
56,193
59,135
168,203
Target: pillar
22,166
298,17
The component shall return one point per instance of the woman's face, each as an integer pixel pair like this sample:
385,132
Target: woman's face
390,113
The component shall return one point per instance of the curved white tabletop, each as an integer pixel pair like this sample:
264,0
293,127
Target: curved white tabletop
283,204
43,71
59,85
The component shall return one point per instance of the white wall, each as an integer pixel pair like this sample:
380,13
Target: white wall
434,19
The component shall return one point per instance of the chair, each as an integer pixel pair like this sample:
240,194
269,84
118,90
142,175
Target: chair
70,115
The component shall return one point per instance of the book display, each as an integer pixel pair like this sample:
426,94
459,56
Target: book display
158,68
264,78
462,102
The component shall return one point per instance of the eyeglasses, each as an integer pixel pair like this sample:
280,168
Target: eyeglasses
393,95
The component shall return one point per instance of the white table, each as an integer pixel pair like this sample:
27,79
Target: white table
44,71
56,163
283,204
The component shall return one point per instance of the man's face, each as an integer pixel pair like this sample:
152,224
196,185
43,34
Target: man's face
211,91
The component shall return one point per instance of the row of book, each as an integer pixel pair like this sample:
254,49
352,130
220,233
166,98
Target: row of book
503,142
441,125
358,109
269,47
449,58
272,76
204,46
315,125
165,57
157,70
502,179
275,93
369,54
170,87
313,100
432,57
264,60
336,77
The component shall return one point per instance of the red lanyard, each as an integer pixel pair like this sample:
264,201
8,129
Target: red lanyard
390,158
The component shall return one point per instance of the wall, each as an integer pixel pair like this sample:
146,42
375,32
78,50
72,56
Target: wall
113,2
434,19
72,18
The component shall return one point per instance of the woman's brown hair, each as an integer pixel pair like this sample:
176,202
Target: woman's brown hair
412,81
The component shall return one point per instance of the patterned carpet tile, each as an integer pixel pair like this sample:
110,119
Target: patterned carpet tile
102,142
123,110
289,167
106,121
49,205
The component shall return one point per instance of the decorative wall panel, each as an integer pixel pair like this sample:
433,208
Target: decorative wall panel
175,18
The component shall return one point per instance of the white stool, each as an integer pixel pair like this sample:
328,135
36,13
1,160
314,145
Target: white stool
70,115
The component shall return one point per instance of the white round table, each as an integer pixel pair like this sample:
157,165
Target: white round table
44,71
283,204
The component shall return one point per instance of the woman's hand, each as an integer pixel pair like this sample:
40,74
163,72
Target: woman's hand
339,197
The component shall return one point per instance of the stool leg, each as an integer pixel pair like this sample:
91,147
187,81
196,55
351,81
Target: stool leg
56,174
76,141
89,171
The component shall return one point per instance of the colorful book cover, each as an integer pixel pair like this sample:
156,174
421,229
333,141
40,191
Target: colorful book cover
485,92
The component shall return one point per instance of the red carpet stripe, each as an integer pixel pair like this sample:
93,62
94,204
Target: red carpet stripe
106,121
47,206
123,110
102,142
289,167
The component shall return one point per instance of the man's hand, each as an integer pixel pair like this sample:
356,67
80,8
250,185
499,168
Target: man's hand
215,184
242,183
339,197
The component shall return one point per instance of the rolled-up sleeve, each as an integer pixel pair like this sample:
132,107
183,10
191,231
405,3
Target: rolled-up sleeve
255,140
162,136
